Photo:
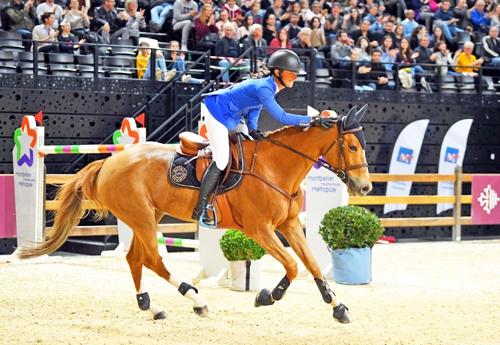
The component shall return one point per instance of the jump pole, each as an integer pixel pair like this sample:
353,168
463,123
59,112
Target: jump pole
29,176
179,242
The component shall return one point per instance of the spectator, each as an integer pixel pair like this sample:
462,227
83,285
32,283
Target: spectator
350,5
491,48
305,11
495,17
50,6
228,47
437,35
409,23
445,59
205,27
388,52
387,30
270,29
481,20
349,63
136,20
67,42
159,10
365,49
303,47
417,33
372,15
293,27
407,62
184,13
214,7
256,12
279,13
21,16
234,12
379,25
78,19
399,34
297,8
143,64
466,61
179,64
462,13
315,12
377,77
282,41
46,36
444,18
334,21
425,54
256,40
108,23
243,30
317,33
341,48
364,31
423,13
352,21
223,20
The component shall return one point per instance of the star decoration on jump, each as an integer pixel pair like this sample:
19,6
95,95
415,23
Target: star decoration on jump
127,134
25,141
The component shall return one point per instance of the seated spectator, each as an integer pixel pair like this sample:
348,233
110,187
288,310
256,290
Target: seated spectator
316,11
425,57
481,19
46,36
347,64
293,27
461,12
214,7
179,65
223,20
304,11
228,47
417,33
297,8
491,48
445,59
467,63
341,48
256,40
205,27
270,31
379,25
407,62
136,20
365,49
334,21
377,77
350,4
388,53
495,17
143,64
399,34
282,41
256,12
444,18
436,36
234,11
243,30
184,13
364,31
303,47
352,21
373,15
317,33
78,19
108,23
21,17
67,42
409,23
386,30
279,13
50,6
159,10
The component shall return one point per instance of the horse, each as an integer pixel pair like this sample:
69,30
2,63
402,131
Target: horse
130,185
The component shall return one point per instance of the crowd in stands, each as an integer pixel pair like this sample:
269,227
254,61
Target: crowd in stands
417,40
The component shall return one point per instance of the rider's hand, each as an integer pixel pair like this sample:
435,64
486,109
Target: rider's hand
256,134
325,121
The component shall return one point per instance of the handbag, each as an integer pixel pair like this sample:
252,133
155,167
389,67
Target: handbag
211,37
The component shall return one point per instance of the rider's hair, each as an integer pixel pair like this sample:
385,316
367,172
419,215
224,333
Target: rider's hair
262,72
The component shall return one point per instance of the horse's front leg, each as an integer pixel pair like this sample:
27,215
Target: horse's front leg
292,230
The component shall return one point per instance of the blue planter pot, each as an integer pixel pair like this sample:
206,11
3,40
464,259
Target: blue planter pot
352,266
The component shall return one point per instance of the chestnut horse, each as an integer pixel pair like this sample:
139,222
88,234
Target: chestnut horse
134,186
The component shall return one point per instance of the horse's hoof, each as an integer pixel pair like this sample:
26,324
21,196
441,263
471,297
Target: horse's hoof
263,298
341,314
161,315
201,311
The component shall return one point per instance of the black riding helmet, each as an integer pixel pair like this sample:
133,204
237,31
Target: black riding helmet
285,60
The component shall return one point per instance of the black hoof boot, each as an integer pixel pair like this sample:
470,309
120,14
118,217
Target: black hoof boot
263,298
161,315
341,314
201,311
143,301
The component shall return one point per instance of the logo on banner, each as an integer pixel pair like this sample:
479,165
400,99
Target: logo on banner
25,141
405,155
485,199
451,155
488,199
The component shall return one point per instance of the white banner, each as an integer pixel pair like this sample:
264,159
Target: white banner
452,154
404,160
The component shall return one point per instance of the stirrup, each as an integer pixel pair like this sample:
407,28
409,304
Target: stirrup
209,207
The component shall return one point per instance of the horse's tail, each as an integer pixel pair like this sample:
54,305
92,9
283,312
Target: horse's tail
66,218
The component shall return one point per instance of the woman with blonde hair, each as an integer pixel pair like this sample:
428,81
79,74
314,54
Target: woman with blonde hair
136,20
206,32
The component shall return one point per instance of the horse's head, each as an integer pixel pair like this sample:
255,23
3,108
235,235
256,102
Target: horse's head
349,159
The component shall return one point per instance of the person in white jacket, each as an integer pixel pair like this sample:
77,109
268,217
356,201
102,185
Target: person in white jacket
184,13
445,59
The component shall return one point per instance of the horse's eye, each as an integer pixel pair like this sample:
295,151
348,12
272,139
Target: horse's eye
353,148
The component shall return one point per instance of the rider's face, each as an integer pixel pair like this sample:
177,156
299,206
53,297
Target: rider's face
288,78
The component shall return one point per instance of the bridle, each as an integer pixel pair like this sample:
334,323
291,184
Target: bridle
341,173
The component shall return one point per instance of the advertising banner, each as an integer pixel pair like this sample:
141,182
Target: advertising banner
485,199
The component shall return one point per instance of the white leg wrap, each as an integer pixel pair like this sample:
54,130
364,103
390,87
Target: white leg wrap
191,294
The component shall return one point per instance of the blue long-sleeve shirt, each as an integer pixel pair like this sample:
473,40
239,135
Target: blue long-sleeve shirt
228,106
479,19
443,16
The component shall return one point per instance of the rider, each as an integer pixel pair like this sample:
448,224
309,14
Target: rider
224,109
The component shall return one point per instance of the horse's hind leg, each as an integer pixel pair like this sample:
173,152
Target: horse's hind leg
292,230
149,257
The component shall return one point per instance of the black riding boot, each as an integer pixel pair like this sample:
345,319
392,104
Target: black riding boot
208,184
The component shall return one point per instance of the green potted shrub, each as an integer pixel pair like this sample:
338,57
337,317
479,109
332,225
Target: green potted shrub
243,254
350,232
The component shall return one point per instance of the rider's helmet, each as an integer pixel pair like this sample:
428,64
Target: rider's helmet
285,60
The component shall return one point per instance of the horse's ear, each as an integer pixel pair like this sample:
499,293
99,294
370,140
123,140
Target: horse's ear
361,113
350,117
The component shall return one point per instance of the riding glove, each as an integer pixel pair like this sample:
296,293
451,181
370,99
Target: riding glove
325,121
256,134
